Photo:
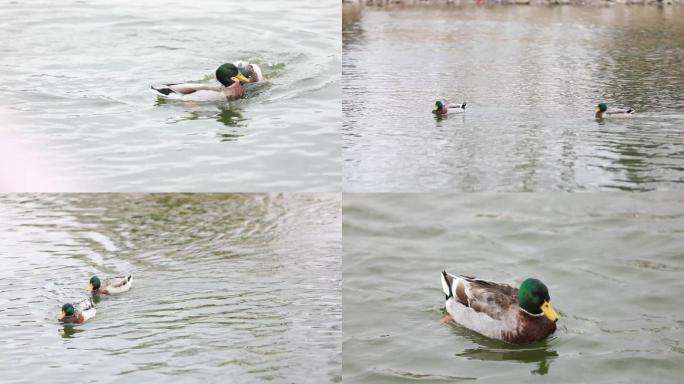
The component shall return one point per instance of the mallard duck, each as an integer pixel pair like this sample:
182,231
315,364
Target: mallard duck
110,285
514,315
251,71
443,108
603,112
77,313
231,88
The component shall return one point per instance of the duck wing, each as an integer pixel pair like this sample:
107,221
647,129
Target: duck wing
493,299
118,281
458,106
118,284
185,88
84,305
620,111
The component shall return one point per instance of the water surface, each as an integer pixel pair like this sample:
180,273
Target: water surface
226,288
532,77
74,79
613,264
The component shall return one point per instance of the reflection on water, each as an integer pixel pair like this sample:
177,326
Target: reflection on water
226,285
68,331
532,77
540,354
229,114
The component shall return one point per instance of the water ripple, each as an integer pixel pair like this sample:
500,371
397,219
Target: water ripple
219,288
532,77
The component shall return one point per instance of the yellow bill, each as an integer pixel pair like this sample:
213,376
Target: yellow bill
241,77
61,315
90,287
549,312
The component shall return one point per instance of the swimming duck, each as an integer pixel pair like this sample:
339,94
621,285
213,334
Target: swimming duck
231,88
110,285
443,108
603,112
250,70
77,313
513,315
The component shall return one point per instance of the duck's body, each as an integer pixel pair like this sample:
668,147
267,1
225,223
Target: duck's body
111,285
603,112
493,309
78,313
198,92
235,79
442,107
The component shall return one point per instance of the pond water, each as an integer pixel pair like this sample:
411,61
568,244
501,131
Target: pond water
613,264
532,77
244,288
74,93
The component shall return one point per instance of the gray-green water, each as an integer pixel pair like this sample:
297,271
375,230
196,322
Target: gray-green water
532,77
74,79
613,264
227,288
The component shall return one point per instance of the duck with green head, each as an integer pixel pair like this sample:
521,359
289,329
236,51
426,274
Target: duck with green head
231,88
77,313
602,111
513,315
110,285
442,107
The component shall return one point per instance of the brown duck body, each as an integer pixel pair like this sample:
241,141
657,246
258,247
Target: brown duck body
440,111
529,329
78,318
492,310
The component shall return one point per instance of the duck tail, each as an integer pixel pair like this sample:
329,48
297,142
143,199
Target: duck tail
163,91
458,106
447,281
630,111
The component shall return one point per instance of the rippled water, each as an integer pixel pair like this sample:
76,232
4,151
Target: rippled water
74,79
244,288
532,77
613,264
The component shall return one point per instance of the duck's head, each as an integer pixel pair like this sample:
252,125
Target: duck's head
439,104
533,297
602,107
67,310
94,283
227,74
246,70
